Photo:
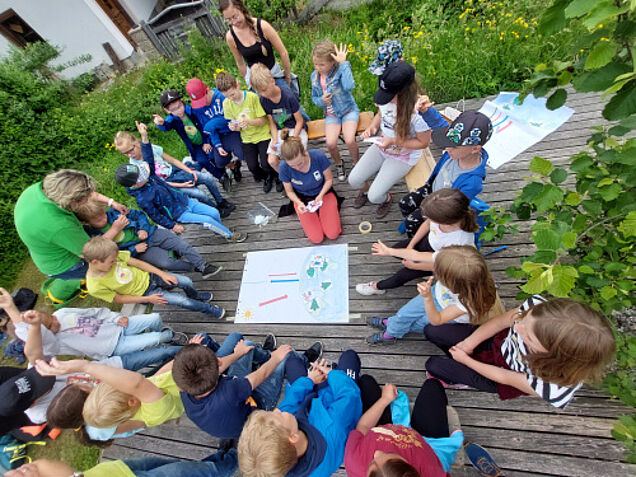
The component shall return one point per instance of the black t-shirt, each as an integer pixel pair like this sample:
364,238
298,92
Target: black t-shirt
283,111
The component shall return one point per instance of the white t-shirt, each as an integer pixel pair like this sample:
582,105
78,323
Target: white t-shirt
447,298
91,332
418,125
37,412
514,350
439,239
163,168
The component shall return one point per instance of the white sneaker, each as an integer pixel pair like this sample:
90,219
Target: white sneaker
367,289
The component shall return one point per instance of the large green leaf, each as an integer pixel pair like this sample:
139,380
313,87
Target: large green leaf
547,240
558,175
603,11
601,55
553,19
599,79
628,225
579,7
569,239
623,104
610,192
542,166
537,283
563,280
548,196
557,99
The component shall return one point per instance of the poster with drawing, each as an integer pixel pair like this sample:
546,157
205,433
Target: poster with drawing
516,126
295,285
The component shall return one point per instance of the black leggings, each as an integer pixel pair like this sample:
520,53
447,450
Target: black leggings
405,275
410,208
256,157
429,416
449,370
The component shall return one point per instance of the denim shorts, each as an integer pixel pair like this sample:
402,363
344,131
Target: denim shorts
352,115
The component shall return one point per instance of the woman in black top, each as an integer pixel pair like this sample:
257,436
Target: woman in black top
253,40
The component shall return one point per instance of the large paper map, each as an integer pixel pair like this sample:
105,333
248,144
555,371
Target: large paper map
295,285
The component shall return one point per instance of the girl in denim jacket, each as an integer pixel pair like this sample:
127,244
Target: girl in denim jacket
331,85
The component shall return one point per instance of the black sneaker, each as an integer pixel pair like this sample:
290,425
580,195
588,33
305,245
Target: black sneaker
267,185
238,176
314,352
226,182
226,208
279,186
179,339
210,270
270,342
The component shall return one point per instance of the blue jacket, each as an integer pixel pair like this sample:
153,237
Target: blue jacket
212,118
471,183
137,221
326,417
339,83
434,119
162,203
173,122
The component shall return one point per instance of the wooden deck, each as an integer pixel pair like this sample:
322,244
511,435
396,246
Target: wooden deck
525,435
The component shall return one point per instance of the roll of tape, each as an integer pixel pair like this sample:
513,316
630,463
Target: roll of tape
365,227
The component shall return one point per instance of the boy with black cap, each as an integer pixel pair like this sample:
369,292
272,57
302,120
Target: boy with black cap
462,165
165,205
182,119
404,134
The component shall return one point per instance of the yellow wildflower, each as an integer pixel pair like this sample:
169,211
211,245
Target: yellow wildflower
605,39
414,59
407,27
467,29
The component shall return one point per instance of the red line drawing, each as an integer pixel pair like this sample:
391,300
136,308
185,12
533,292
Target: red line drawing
281,274
504,127
284,297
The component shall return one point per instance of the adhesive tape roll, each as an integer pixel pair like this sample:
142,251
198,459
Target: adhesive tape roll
365,227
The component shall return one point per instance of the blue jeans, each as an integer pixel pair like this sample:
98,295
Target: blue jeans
268,393
233,146
132,339
193,300
216,465
161,243
203,178
209,217
76,272
410,318
140,359
352,115
203,161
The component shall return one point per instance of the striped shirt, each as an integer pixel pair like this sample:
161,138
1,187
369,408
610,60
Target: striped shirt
514,351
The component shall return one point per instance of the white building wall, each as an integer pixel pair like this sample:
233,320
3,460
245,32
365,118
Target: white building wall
138,9
77,26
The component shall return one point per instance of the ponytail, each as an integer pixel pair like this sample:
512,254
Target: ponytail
292,146
450,206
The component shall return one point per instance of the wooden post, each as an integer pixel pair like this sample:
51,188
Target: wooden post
114,58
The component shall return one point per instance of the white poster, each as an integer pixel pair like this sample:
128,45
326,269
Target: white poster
516,126
295,285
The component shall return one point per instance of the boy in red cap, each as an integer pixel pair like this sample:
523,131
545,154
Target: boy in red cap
207,106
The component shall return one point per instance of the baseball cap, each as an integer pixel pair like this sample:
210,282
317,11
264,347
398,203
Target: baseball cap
387,53
168,96
127,174
20,391
471,128
197,91
395,78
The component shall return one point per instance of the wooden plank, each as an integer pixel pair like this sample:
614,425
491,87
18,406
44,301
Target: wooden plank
421,171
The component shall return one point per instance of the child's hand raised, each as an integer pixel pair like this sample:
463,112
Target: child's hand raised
424,288
142,128
158,120
6,300
341,53
389,393
379,248
32,317
423,103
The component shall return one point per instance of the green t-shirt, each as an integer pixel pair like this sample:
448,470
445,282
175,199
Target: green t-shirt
168,407
122,279
250,108
54,236
191,130
124,236
114,468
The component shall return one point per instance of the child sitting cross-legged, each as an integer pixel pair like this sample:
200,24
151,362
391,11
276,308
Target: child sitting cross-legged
133,232
115,276
463,293
220,403
306,435
123,401
449,221
165,205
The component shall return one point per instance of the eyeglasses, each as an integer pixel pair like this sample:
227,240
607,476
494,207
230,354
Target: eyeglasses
175,107
233,18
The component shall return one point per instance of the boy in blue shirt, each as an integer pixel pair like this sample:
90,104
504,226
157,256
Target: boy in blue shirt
306,435
146,242
181,118
207,106
165,205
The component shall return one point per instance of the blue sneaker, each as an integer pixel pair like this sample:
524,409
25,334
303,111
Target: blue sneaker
482,461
